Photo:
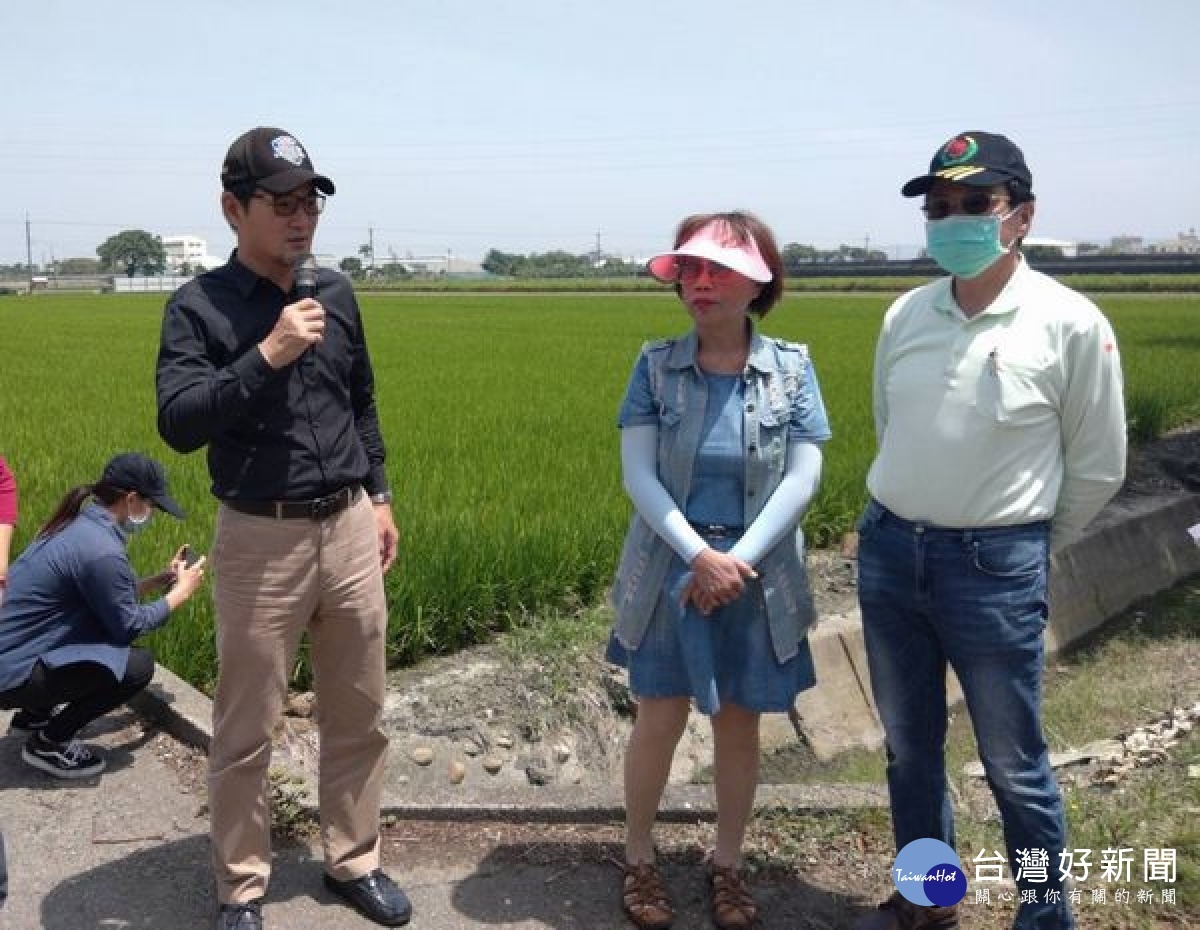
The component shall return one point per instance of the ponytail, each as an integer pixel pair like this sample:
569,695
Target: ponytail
73,501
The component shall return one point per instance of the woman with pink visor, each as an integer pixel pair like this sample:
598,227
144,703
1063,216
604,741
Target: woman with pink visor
721,430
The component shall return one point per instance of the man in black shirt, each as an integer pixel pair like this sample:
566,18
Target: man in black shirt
279,387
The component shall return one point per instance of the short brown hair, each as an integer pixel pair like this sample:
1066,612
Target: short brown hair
745,226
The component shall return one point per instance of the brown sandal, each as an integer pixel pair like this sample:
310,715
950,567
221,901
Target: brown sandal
644,898
733,906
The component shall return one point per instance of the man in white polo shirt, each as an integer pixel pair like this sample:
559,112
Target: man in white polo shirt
1001,429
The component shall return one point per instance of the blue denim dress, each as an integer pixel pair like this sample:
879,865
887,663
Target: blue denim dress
727,655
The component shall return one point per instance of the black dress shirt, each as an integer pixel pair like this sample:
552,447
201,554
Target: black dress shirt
303,431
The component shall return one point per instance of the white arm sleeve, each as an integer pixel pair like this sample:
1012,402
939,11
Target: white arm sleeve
639,449
786,506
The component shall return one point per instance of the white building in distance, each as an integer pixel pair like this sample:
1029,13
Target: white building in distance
1186,243
191,251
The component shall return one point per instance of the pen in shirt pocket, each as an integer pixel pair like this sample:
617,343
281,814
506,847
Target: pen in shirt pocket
993,361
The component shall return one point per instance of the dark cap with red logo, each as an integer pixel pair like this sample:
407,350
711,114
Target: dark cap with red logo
980,159
271,159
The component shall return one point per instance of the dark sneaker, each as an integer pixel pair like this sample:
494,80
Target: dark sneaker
375,896
898,913
28,721
62,760
246,916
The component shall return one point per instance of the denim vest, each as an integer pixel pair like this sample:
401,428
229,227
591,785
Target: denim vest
773,377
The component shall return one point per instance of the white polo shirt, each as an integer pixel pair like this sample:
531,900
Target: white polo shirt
1012,416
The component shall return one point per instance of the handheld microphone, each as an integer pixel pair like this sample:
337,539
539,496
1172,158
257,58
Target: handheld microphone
305,271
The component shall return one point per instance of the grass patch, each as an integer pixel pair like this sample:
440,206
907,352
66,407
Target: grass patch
560,645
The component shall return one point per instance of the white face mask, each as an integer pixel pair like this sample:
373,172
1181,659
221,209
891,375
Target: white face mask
135,524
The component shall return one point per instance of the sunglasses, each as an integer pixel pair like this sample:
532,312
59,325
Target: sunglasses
976,203
288,204
690,267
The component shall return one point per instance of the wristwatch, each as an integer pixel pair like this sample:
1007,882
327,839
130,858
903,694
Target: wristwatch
383,497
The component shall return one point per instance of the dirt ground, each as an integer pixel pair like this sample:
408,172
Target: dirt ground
1169,464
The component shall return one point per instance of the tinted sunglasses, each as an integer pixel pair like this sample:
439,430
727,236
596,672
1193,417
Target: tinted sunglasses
691,267
975,203
288,204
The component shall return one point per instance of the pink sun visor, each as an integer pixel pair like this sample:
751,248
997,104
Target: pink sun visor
718,243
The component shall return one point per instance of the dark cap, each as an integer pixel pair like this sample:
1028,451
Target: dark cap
130,471
271,159
980,159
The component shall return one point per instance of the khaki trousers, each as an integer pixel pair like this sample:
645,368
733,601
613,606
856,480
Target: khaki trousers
275,579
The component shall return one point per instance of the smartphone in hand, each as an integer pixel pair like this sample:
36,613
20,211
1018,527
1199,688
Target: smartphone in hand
189,555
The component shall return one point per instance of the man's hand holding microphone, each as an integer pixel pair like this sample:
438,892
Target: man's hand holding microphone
301,325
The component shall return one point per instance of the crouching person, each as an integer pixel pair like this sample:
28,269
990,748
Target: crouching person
73,608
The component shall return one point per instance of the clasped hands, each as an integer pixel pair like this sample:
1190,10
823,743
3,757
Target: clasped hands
717,579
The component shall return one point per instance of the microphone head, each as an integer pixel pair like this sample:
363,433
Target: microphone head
305,275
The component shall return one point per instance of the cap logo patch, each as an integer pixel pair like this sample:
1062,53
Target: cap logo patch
288,149
958,150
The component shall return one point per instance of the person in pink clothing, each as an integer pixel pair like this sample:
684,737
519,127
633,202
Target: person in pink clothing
8,519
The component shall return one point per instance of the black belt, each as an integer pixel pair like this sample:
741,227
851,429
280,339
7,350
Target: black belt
717,529
316,509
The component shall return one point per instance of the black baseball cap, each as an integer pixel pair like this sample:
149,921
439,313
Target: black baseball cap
272,159
131,471
979,159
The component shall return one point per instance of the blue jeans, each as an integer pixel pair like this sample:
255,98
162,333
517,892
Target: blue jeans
975,598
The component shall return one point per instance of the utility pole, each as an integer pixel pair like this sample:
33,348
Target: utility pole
29,252
371,245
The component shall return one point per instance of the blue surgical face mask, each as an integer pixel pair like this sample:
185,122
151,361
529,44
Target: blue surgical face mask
966,246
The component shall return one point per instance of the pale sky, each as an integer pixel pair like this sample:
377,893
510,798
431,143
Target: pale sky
534,124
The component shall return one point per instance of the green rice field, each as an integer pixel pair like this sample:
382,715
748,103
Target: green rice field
499,415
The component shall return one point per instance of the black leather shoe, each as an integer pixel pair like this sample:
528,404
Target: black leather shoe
246,916
375,896
898,913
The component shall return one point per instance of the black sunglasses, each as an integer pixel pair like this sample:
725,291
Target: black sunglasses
975,203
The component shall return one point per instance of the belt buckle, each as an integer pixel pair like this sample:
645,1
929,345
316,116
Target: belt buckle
322,507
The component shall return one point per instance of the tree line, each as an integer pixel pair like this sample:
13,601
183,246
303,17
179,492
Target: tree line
130,252
560,264
137,252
